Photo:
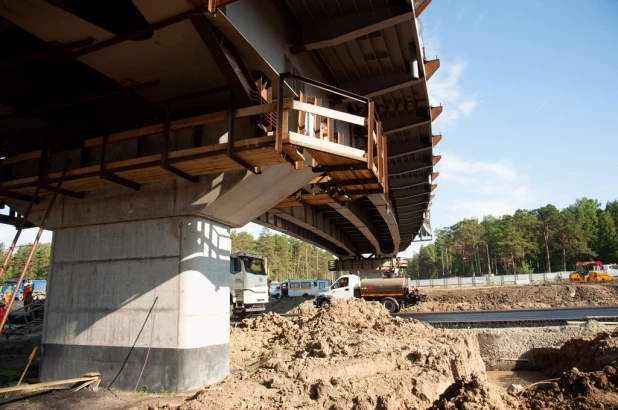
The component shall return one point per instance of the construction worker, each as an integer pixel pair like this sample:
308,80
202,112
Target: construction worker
3,312
28,289
7,295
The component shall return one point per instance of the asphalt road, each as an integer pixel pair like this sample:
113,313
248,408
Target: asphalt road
504,315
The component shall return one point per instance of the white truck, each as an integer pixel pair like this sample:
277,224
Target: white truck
248,284
393,293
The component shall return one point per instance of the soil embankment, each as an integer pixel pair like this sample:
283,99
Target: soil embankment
518,297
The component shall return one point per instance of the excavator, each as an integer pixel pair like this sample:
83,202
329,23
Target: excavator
590,272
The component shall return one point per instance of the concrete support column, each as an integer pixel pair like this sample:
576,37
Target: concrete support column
151,292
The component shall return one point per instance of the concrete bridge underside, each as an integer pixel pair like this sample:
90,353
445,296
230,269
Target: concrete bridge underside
164,124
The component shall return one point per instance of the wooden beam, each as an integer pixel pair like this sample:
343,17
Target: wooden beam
435,139
220,116
231,135
329,113
435,112
228,60
436,159
340,168
360,181
37,386
434,176
419,7
431,66
356,33
18,196
370,133
327,147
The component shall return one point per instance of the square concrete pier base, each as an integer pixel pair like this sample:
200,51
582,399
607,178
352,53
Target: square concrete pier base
145,297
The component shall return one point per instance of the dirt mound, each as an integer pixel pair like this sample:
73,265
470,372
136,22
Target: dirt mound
518,297
474,392
291,305
587,354
353,355
576,390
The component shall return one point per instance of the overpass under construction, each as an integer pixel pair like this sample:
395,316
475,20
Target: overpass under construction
159,126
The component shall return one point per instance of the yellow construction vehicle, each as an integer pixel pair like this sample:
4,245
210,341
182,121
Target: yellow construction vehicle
590,272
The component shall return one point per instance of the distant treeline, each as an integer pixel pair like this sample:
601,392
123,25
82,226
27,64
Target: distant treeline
288,258
38,268
540,240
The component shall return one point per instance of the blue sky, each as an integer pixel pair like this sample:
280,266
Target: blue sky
530,96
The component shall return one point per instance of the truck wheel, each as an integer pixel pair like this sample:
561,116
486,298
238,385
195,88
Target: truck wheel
390,305
20,296
325,303
231,310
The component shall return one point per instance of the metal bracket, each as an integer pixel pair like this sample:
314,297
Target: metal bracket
165,155
230,138
104,174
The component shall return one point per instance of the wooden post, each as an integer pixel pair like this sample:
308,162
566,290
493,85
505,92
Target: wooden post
28,365
370,125
380,158
302,116
331,129
280,130
385,164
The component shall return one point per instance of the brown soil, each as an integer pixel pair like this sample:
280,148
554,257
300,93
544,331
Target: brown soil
575,390
586,354
301,305
356,356
518,297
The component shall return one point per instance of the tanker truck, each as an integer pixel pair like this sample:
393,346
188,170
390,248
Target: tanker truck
393,293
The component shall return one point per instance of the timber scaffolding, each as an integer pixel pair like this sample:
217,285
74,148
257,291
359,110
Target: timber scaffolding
347,173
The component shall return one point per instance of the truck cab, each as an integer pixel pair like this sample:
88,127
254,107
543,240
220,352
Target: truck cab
343,288
248,284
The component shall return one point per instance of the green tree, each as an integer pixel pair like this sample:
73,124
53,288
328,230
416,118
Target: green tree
547,217
607,238
242,242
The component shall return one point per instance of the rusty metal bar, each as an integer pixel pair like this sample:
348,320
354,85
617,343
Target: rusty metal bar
34,245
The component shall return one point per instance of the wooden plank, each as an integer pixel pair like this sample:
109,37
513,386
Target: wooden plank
46,384
21,157
326,147
331,129
158,128
292,152
327,112
256,110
